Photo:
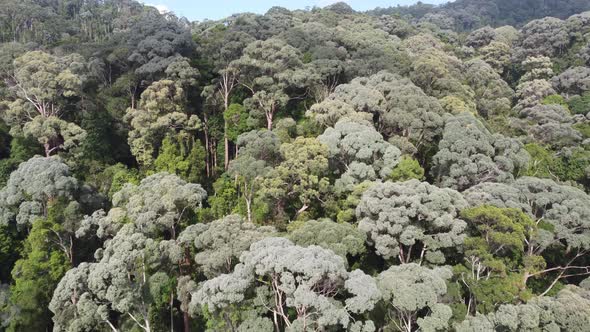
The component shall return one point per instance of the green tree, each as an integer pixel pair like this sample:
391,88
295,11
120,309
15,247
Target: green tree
407,169
182,155
300,179
265,70
161,111
494,257
36,275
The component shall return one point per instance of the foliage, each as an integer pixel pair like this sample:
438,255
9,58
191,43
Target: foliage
407,169
411,221
192,170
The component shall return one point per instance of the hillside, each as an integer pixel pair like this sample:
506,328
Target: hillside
406,169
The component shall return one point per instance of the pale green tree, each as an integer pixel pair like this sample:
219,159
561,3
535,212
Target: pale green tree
265,70
411,221
358,153
296,286
413,296
469,154
42,84
343,239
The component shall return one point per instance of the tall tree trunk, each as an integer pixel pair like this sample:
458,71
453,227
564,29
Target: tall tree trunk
207,157
47,149
187,324
226,146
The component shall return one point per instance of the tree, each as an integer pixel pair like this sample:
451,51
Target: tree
264,70
540,313
36,185
116,286
413,297
400,107
258,151
492,94
547,36
411,221
161,111
575,80
441,75
159,205
549,124
343,239
295,286
355,145
407,169
481,37
537,68
219,244
300,177
249,172
559,213
469,154
35,277
497,55
221,46
42,84
532,93
494,252
182,155
157,41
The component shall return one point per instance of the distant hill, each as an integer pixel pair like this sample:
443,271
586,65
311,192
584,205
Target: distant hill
471,14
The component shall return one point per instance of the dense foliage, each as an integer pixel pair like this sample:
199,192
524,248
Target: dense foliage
420,168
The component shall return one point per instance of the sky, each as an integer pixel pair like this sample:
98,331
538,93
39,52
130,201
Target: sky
198,10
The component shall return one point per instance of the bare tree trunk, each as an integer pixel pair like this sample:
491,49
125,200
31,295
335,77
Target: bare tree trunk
226,146
249,208
207,158
187,325
47,149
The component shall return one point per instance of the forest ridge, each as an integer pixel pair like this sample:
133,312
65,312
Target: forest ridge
412,168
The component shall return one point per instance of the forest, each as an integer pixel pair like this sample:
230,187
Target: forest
411,168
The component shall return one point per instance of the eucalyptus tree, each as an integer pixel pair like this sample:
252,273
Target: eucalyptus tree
492,94
160,205
545,313
300,178
42,84
413,297
143,252
258,152
531,93
342,238
222,46
551,125
469,154
399,107
574,80
219,244
537,68
412,221
359,153
295,286
40,185
547,36
265,69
